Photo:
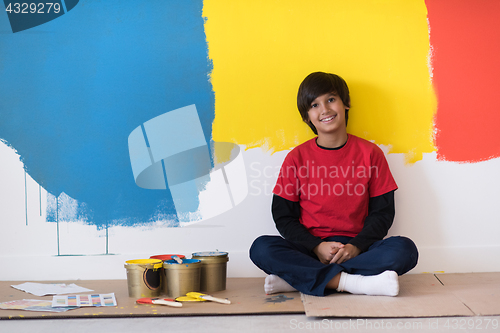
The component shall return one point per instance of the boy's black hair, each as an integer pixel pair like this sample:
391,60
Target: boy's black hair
317,84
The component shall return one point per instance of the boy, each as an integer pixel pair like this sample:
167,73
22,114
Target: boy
333,204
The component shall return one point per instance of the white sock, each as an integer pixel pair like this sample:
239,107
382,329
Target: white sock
275,284
384,284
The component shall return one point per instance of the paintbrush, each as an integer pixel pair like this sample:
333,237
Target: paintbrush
164,301
208,298
189,299
176,258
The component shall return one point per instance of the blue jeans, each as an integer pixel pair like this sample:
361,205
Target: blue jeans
302,270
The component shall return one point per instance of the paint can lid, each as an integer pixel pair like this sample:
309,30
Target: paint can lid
165,257
212,257
147,263
210,254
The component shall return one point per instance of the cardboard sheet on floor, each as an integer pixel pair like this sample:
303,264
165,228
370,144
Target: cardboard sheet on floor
246,294
479,291
421,295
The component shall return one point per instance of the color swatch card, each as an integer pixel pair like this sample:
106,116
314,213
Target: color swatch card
84,300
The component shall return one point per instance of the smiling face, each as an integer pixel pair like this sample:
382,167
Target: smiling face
327,114
318,84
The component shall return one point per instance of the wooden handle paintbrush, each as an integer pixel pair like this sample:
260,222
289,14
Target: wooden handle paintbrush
176,258
164,301
208,298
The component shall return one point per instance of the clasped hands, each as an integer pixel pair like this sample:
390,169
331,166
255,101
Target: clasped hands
335,252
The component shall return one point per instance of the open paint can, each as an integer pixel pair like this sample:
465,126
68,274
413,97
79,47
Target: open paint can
181,279
143,277
213,270
165,257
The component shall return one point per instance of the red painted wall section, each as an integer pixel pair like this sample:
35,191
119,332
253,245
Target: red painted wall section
465,38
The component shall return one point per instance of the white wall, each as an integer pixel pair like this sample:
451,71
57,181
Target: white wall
448,209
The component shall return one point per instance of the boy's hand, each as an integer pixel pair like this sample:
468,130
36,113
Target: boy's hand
326,251
348,251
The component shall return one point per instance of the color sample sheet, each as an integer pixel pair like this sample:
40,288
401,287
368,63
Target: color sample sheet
84,300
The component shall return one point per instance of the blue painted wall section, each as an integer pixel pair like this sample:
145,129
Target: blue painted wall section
73,89
170,150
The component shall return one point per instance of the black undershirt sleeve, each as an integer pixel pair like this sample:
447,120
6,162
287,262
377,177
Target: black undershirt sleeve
381,212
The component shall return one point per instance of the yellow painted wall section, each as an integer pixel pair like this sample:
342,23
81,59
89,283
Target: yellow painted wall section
262,49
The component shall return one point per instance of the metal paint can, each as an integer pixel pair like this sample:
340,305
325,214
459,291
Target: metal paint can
213,270
143,277
181,278
165,257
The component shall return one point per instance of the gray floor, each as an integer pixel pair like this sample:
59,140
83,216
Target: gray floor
257,323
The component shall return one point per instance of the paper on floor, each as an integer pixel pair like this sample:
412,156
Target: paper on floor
43,289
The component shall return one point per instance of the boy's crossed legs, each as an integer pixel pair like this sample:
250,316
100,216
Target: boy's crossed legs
374,272
384,284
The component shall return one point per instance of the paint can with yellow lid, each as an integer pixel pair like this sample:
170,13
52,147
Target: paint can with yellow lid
143,277
213,270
